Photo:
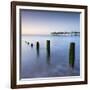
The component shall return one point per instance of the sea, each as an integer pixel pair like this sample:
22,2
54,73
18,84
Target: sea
37,62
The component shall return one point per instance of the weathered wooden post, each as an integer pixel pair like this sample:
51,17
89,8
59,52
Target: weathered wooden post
37,48
72,54
31,44
48,50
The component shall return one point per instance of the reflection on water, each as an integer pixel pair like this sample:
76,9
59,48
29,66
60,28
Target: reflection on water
51,56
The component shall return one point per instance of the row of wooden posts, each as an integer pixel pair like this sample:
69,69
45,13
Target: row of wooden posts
71,51
47,48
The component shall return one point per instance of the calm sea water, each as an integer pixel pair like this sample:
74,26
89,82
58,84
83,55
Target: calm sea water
36,64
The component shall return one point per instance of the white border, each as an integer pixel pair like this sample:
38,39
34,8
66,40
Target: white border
52,79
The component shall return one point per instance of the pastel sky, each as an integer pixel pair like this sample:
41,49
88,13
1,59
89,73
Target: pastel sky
44,22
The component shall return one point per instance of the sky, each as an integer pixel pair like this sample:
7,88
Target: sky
38,22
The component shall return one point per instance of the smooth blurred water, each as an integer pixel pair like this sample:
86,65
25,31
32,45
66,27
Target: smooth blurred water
35,64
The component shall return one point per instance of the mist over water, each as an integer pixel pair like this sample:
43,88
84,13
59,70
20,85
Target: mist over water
37,63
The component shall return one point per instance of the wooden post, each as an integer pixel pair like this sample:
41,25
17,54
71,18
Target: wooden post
48,47
37,48
72,54
31,44
48,50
